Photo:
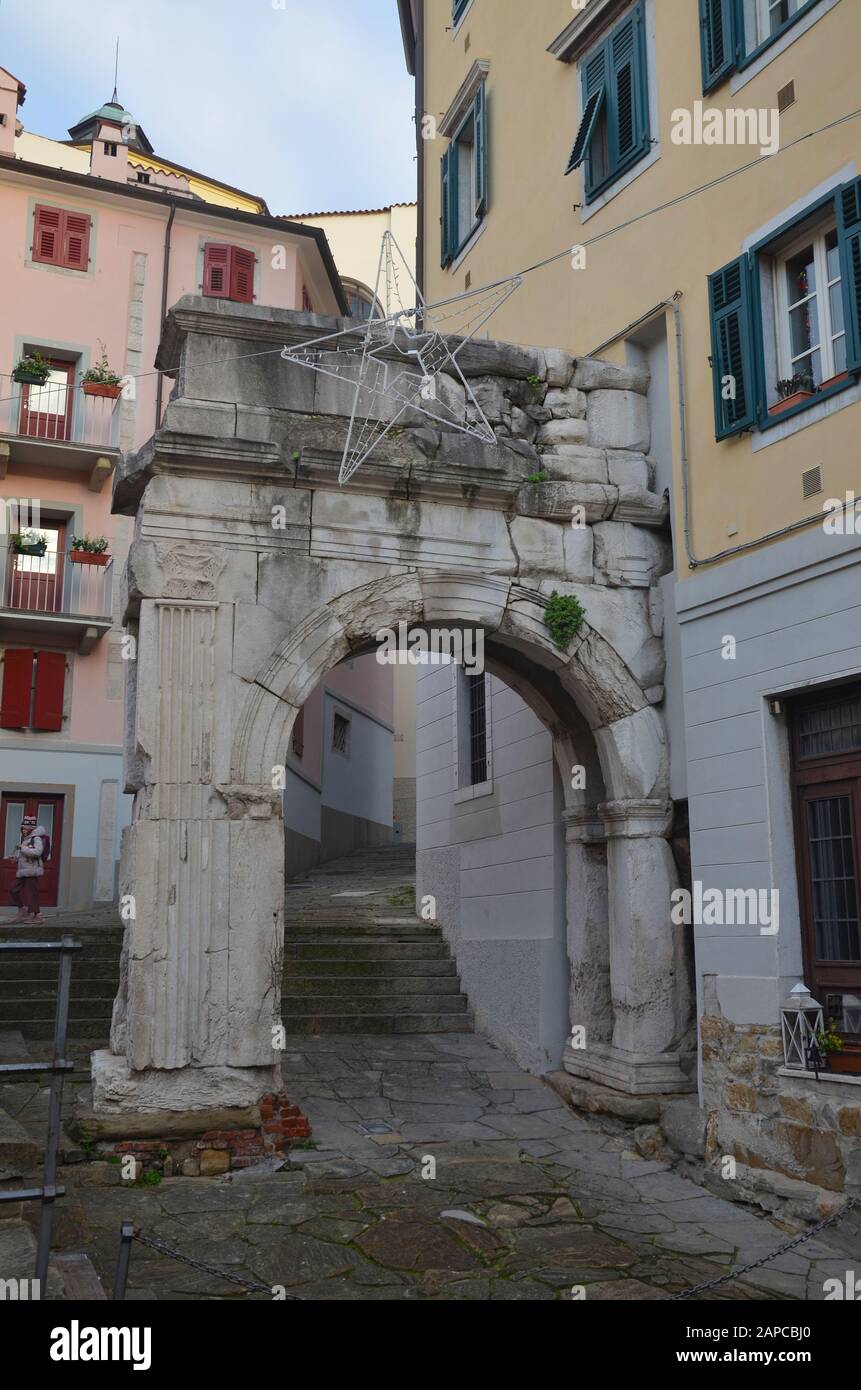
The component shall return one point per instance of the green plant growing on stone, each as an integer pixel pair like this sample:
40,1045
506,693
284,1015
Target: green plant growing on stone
149,1178
534,381
563,617
541,477
305,1144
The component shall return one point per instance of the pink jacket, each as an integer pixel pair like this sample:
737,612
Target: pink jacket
29,853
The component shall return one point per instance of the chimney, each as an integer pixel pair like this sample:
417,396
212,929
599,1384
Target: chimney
12,93
109,154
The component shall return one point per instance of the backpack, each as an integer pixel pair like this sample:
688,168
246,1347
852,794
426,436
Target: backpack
46,848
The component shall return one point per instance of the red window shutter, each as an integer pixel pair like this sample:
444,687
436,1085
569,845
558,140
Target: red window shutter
242,265
76,241
50,687
17,687
216,270
48,236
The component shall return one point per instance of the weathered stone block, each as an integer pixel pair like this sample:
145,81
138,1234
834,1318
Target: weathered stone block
619,420
214,1162
566,405
593,374
563,432
575,464
683,1122
628,555
627,469
560,367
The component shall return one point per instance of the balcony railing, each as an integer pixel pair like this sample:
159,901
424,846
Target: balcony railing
54,583
58,413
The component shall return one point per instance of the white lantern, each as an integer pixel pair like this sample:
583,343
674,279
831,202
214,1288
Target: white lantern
801,1019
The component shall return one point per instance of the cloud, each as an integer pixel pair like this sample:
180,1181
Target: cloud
308,105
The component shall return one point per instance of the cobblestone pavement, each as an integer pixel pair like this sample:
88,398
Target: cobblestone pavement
528,1200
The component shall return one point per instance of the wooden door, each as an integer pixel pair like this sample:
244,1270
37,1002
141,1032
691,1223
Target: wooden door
36,581
48,810
46,410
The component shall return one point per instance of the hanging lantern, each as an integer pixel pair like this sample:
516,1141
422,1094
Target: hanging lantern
801,1018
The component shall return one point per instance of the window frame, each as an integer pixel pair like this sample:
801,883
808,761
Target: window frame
465,788
733,18
817,237
606,115
453,245
827,209
347,720
834,774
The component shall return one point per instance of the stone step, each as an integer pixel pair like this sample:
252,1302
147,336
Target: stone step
390,1003
14,1011
36,968
370,986
368,968
325,1024
82,989
371,949
80,1029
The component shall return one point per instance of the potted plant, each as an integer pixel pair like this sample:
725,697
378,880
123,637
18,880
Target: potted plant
89,550
29,543
32,370
793,391
841,1058
101,380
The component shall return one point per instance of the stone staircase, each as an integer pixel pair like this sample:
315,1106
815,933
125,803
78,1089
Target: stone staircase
358,960
28,982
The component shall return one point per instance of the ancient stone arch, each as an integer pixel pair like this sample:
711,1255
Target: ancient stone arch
237,619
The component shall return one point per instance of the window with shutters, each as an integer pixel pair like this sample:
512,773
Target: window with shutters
61,238
33,690
464,180
786,318
734,33
614,132
228,272
341,734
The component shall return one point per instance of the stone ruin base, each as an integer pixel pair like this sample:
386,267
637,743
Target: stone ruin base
206,1144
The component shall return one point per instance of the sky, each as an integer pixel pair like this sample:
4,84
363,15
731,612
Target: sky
307,103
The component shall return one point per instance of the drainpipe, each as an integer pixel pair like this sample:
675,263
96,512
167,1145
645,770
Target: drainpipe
164,279
420,144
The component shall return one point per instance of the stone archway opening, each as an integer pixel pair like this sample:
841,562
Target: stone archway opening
238,615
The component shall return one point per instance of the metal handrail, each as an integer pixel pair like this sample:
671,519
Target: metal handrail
55,583
49,1191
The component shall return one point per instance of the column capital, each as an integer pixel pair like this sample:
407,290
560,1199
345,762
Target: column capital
637,819
584,826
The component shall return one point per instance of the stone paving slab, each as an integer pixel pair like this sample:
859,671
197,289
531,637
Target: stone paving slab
486,1187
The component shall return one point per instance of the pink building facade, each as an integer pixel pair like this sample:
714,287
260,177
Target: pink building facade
98,238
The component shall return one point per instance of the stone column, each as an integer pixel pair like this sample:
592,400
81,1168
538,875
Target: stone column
648,991
588,930
202,874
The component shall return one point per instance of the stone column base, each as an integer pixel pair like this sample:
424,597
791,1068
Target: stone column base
634,1073
119,1090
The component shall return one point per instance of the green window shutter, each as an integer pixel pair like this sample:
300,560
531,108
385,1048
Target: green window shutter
595,74
733,348
591,112
718,40
629,125
447,196
849,230
480,126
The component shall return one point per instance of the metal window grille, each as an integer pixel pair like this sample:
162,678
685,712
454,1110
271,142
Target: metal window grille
341,734
476,690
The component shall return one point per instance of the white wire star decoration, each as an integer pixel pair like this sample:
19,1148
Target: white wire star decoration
403,361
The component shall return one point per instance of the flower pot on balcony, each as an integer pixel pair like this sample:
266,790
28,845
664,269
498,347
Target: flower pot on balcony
28,378
847,1061
86,557
833,380
100,388
789,401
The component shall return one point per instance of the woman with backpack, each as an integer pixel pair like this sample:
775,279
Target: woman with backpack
30,851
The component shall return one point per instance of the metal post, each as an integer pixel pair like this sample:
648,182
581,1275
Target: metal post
127,1231
49,1182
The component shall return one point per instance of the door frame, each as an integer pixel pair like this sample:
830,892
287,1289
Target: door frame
823,775
56,365
67,791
